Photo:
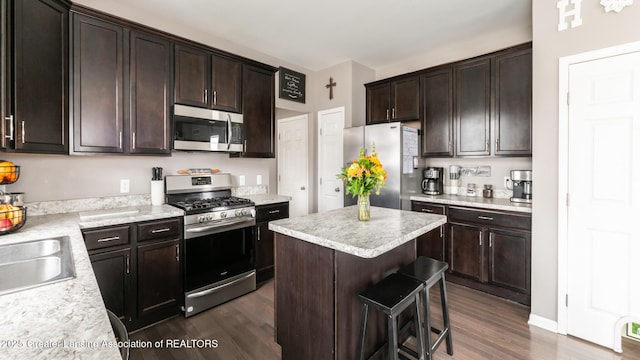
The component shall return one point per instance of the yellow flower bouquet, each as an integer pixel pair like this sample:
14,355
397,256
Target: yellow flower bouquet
364,176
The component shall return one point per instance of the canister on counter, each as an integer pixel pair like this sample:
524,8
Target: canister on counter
487,192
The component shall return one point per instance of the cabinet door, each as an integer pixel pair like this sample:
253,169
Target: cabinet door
41,63
192,77
510,260
432,244
512,103
112,271
466,254
226,84
97,85
150,86
405,99
158,276
436,93
258,89
264,248
378,103
473,105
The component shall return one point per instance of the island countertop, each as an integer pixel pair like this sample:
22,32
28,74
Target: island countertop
340,229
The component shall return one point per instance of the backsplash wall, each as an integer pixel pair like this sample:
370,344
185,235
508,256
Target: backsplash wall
53,177
500,167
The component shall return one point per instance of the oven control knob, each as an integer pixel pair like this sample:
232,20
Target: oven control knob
209,217
201,218
238,212
223,215
244,211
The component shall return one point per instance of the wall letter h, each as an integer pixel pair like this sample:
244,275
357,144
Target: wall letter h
563,14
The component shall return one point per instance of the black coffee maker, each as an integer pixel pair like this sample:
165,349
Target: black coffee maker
432,180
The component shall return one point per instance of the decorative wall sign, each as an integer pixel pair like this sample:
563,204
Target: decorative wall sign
292,85
563,14
615,5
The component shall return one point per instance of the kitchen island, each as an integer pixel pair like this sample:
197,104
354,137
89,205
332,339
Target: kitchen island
323,261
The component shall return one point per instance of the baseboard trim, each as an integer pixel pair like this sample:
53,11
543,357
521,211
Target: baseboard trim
543,323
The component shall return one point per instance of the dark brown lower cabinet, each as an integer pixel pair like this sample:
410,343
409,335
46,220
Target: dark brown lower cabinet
486,250
112,273
264,238
139,275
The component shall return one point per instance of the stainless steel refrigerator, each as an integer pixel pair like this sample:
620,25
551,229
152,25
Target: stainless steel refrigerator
397,148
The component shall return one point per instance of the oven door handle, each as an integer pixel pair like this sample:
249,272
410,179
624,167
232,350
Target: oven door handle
218,225
212,290
230,131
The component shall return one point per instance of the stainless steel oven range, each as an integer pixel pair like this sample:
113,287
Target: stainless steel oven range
219,233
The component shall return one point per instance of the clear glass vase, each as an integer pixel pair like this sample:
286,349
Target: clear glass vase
364,208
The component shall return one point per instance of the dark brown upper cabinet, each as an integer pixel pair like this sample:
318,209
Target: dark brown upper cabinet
98,76
150,94
436,96
393,100
512,102
473,107
121,89
485,100
207,80
258,112
35,76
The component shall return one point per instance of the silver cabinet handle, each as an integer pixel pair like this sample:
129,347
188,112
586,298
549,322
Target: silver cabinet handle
480,238
441,231
486,146
229,131
206,95
393,113
490,239
156,231
177,252
497,144
387,114
215,97
244,149
258,233
22,131
10,120
336,189
107,239
274,211
120,141
426,210
485,218
133,140
127,259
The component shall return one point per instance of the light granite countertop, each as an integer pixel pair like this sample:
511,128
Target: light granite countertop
266,199
64,320
340,229
474,201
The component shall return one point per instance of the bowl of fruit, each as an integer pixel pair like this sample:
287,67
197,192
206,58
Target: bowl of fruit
9,172
12,218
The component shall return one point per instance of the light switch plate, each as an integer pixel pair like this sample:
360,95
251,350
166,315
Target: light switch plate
259,180
241,180
124,186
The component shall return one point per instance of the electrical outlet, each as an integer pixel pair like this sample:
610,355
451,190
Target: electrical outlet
241,180
124,185
507,182
259,180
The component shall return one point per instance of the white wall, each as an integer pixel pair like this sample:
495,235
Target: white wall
598,30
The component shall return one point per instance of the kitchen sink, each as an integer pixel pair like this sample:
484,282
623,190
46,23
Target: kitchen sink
35,263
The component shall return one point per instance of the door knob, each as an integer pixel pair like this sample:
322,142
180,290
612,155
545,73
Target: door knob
302,188
337,189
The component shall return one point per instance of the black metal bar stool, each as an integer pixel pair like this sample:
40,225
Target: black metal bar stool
430,272
392,295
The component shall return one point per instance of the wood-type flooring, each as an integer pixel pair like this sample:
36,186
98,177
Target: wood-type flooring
483,327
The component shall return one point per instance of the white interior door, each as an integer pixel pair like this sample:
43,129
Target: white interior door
293,163
603,241
330,126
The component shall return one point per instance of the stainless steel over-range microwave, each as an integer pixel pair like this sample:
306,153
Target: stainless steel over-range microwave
206,130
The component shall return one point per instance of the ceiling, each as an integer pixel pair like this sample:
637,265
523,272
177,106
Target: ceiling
319,34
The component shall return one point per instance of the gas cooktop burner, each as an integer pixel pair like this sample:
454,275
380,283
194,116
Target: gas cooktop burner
213,203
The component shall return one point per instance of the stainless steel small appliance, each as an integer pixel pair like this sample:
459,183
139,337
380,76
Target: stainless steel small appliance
522,181
207,130
432,180
219,239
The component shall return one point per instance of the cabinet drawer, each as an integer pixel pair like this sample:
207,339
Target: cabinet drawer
490,218
427,207
106,237
159,229
272,212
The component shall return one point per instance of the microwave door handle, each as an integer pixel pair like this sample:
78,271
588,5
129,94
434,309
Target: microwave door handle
230,131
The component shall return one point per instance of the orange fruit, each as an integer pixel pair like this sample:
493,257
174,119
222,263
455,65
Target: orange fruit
13,213
8,171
